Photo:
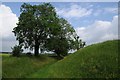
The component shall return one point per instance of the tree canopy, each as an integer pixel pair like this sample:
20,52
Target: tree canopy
60,43
40,27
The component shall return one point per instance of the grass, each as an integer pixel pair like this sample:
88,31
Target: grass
95,61
20,67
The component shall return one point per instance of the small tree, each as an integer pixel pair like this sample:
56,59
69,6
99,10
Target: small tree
17,50
78,43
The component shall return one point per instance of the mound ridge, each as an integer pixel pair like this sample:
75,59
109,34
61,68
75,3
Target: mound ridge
95,61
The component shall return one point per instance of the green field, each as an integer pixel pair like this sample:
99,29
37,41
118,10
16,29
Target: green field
94,61
20,67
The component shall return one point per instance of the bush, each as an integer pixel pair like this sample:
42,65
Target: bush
17,50
29,54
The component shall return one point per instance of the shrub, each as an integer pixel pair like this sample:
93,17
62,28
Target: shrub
17,50
29,54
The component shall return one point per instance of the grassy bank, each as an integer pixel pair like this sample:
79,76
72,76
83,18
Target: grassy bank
95,61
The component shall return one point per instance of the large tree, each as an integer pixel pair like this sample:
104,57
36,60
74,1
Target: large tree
34,25
39,27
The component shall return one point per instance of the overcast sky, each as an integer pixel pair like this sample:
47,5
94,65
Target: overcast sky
93,22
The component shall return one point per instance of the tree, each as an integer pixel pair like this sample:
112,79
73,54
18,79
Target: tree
17,50
60,40
40,28
34,23
78,43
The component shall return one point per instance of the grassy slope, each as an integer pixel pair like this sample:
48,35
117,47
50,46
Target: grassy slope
95,61
13,67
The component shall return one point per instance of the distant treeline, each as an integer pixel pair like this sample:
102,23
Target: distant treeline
5,52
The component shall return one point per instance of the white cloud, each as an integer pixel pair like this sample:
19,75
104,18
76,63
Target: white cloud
99,31
8,21
111,10
74,11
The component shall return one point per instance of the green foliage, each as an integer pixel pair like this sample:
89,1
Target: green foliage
17,50
78,43
34,24
59,40
40,27
95,61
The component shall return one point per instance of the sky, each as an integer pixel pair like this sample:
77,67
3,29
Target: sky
93,21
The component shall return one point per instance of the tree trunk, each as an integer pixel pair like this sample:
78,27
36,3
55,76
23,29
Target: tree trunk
58,54
36,52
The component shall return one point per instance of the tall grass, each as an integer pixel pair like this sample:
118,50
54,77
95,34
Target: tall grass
20,67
